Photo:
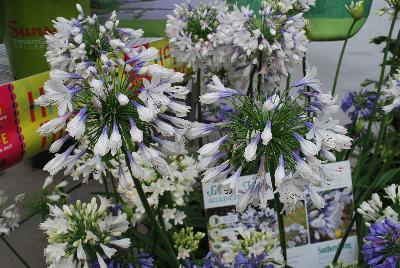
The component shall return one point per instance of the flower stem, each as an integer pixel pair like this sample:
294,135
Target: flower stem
278,207
149,211
259,75
198,93
14,251
250,87
378,94
341,57
344,238
116,195
382,128
198,104
105,184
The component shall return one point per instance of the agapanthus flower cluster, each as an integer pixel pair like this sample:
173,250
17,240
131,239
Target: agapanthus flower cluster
121,104
277,44
325,223
176,187
382,244
374,209
278,132
191,32
392,93
78,234
9,214
79,42
359,104
186,242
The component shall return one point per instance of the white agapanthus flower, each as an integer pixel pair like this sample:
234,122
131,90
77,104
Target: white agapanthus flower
80,233
296,138
374,209
191,32
77,44
110,99
279,42
392,93
9,214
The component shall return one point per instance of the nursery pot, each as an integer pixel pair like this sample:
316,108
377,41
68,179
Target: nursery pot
328,19
25,24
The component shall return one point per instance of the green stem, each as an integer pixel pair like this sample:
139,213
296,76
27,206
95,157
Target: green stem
378,94
259,75
278,207
344,238
105,184
341,57
116,195
198,93
382,128
14,251
198,104
250,88
149,211
287,83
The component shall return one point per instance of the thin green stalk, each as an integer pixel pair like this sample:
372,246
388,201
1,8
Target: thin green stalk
288,83
250,87
149,211
341,57
306,88
116,195
105,184
259,75
278,207
14,251
198,93
344,238
198,104
193,102
378,94
382,128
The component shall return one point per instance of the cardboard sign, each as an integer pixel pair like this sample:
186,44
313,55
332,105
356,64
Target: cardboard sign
312,235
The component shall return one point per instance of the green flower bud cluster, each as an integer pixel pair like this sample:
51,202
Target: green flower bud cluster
187,239
356,10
